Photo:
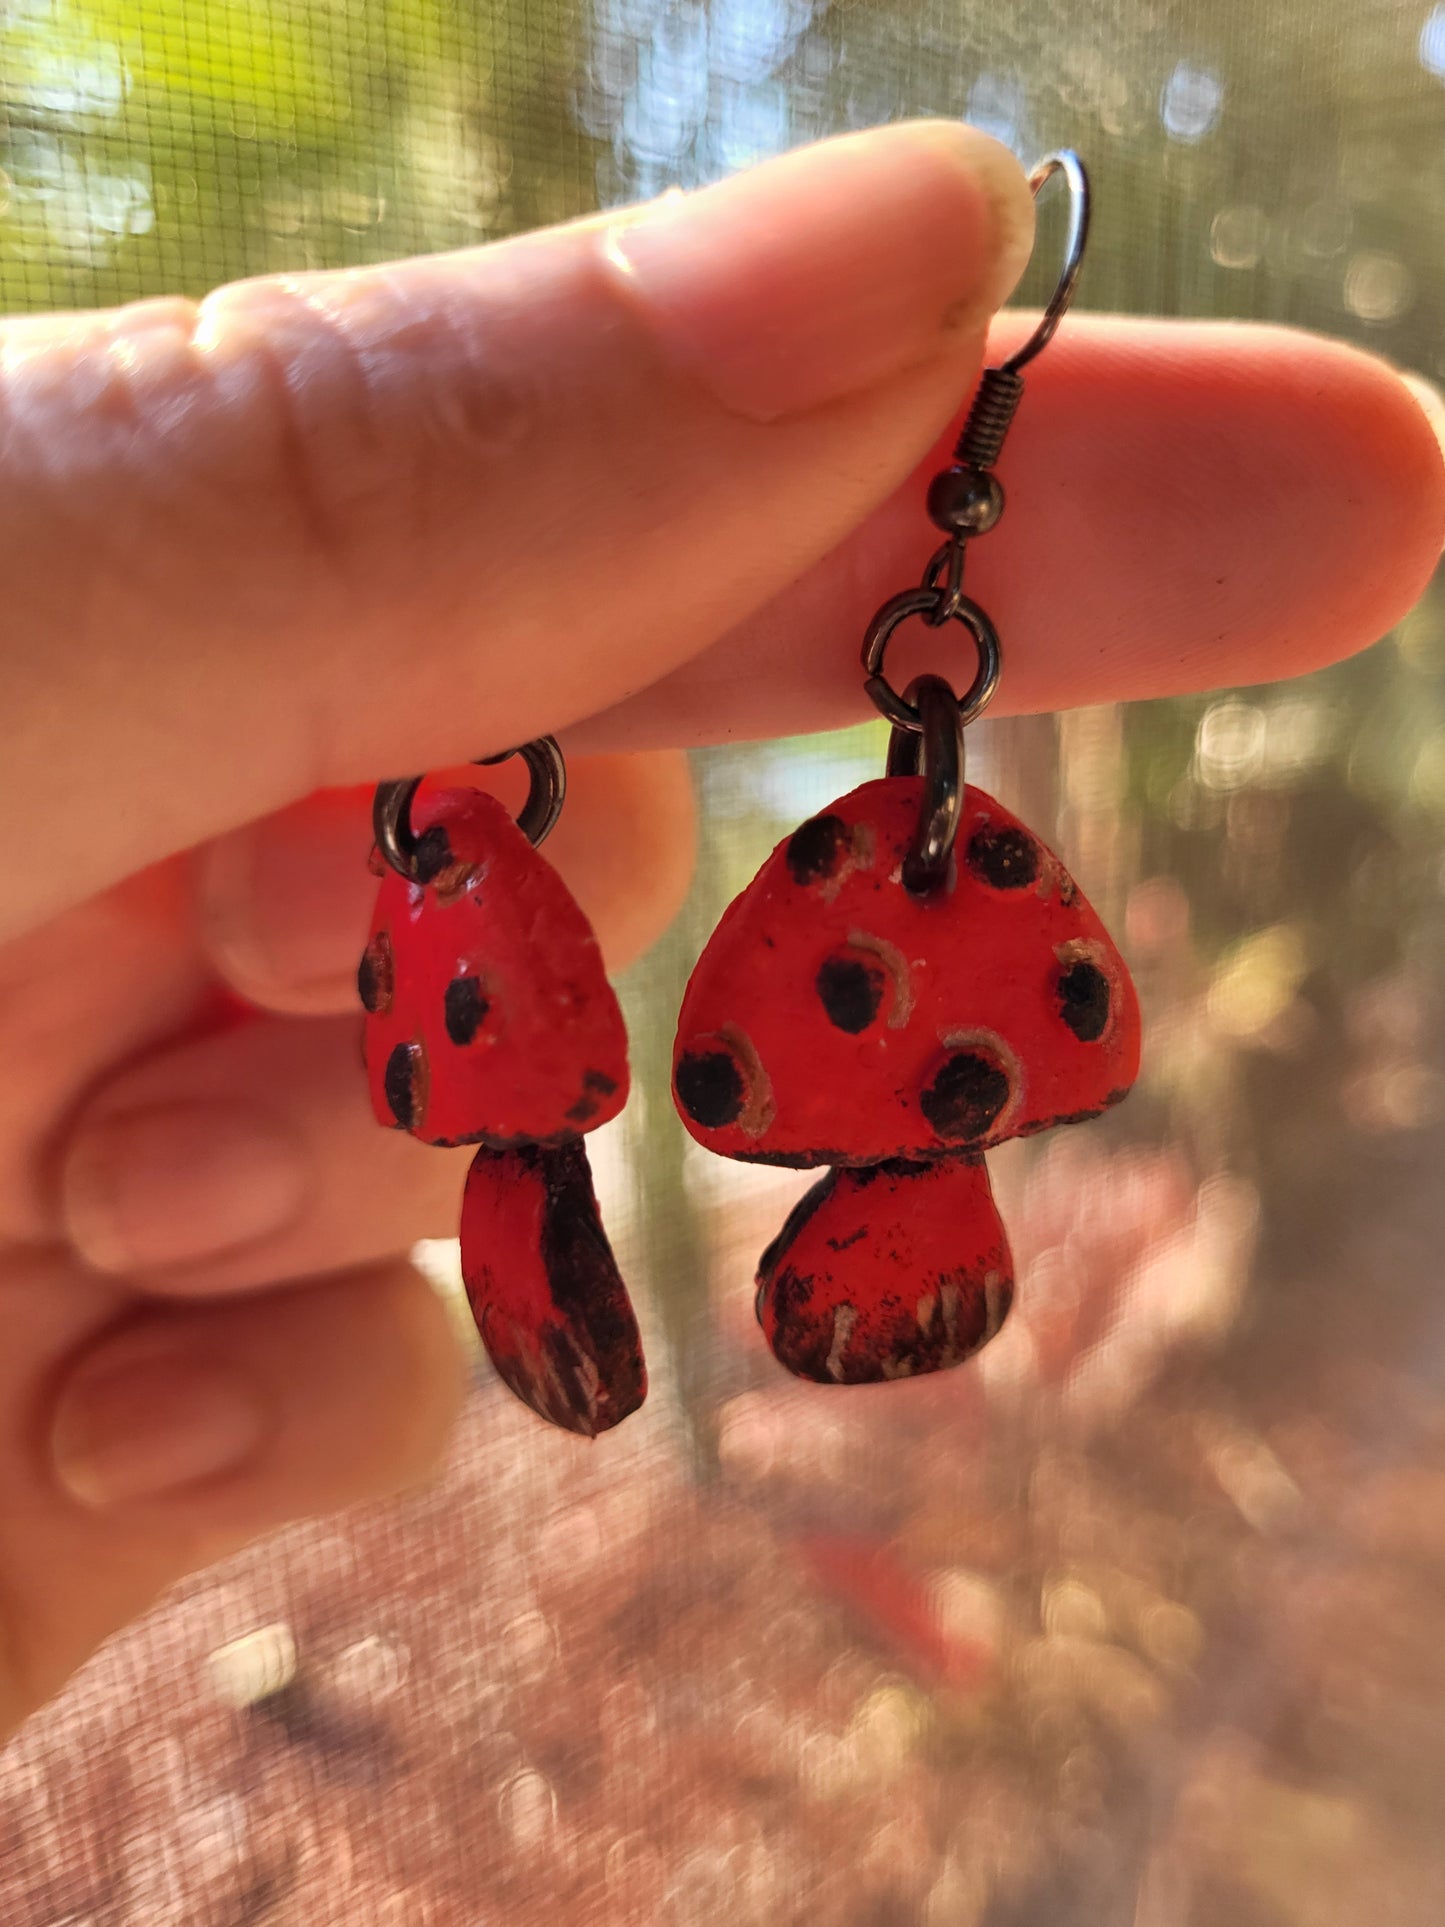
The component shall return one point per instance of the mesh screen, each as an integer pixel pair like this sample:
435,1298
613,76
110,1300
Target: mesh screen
1139,1621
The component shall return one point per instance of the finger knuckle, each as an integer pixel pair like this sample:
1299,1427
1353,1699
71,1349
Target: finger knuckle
373,412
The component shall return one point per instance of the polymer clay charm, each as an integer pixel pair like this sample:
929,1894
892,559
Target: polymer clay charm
886,1271
911,979
490,1021
837,1017
489,1016
545,1290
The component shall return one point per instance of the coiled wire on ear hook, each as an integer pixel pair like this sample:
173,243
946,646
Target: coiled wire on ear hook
1001,389
965,500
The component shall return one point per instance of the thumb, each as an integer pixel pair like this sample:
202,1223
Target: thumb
334,527
140,1441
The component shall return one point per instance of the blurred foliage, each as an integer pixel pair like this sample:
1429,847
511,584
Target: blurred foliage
166,146
1292,172
1271,859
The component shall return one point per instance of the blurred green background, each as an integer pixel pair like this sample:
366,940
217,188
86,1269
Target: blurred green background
1231,1370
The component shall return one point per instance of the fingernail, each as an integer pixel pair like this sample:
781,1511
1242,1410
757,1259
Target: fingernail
1431,401
136,1427
147,1189
832,268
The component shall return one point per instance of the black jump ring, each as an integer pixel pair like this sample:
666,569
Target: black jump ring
944,575
933,605
936,752
547,791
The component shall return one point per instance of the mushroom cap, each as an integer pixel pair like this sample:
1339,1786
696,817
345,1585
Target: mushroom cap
835,1018
489,1015
545,1290
886,1273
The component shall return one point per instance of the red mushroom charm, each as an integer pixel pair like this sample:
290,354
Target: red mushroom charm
489,1016
837,1018
490,1021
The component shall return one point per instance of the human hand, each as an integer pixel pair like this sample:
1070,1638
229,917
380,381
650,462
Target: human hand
642,479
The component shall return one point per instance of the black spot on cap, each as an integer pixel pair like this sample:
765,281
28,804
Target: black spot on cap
376,975
405,1084
1084,1000
816,848
466,1008
1005,857
432,854
850,989
596,1085
710,1087
968,1093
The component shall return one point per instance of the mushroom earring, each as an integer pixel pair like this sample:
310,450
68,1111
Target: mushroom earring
490,1021
910,979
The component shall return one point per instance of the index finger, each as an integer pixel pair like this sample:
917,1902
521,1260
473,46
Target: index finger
1190,505
336,527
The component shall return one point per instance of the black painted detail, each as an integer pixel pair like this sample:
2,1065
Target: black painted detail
710,1087
432,854
843,1244
596,1085
895,1168
587,1287
376,975
816,848
850,989
966,1096
791,1293
466,1009
596,1373
405,1085
1005,857
1084,1000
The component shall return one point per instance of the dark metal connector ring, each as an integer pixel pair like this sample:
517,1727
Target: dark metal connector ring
935,752
936,606
546,769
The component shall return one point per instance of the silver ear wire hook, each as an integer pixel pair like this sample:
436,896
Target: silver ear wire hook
1067,163
1002,388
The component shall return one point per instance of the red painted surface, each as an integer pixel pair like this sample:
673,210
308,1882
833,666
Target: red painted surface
490,1016
545,1290
834,1018
886,1273
490,1020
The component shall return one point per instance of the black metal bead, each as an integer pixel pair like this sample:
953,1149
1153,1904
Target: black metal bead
964,501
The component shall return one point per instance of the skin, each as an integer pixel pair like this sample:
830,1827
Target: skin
640,480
